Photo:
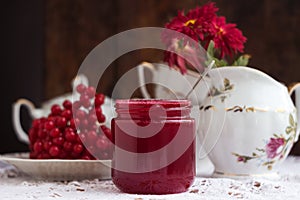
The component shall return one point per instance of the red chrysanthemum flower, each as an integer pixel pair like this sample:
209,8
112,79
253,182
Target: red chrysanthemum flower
227,38
195,24
180,56
201,25
200,19
175,60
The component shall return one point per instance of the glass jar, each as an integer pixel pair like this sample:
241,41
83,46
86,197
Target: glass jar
154,146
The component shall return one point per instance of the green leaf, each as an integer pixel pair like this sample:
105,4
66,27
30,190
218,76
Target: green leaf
270,167
211,48
243,60
226,82
291,119
181,44
268,163
220,63
211,56
288,130
223,98
261,150
284,152
227,85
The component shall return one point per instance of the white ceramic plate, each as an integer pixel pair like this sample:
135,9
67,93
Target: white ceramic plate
56,169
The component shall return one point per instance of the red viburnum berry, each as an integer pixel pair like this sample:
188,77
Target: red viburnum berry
62,135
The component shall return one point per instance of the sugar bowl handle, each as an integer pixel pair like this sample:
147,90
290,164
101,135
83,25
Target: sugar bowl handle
21,134
141,76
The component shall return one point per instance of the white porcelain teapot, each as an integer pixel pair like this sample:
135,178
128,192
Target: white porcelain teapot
248,122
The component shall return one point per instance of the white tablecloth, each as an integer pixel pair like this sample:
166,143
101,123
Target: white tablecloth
287,186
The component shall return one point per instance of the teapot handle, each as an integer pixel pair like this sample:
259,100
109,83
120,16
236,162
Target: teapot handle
295,87
21,134
141,77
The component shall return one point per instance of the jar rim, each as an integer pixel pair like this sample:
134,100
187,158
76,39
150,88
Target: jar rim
147,102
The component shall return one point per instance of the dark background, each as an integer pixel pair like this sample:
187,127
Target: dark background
43,43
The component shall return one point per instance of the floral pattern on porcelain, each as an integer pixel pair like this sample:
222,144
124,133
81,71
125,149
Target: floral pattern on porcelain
222,92
241,109
276,148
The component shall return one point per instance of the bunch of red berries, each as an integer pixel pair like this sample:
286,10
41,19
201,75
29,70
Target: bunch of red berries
73,131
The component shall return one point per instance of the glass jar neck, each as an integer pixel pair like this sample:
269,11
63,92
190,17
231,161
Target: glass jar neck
146,109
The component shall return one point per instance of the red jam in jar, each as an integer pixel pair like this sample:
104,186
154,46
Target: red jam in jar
154,146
